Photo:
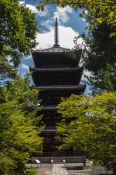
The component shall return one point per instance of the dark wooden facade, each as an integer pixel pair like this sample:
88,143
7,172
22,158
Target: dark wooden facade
56,74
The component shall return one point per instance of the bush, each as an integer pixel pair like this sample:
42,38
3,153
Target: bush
31,171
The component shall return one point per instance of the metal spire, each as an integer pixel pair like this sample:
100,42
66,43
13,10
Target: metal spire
56,39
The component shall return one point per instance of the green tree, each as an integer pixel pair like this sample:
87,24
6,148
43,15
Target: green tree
103,79
18,29
100,57
98,12
89,124
20,90
18,134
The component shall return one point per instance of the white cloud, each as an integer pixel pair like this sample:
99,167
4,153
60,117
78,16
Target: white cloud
44,12
62,14
32,8
21,2
66,37
24,67
86,73
47,24
83,19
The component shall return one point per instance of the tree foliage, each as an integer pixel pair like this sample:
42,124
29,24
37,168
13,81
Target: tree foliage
99,11
101,48
89,124
18,134
100,57
103,79
18,29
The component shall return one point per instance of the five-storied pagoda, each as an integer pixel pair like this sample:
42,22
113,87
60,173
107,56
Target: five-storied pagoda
56,74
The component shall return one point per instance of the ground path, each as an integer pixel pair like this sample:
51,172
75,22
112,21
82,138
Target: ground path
55,169
59,169
44,171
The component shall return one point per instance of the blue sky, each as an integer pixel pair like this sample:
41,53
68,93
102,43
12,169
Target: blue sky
68,16
70,25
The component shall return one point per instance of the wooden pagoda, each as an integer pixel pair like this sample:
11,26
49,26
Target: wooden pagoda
56,74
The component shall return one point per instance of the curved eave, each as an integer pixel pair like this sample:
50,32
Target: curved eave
65,69
61,87
48,108
49,130
54,50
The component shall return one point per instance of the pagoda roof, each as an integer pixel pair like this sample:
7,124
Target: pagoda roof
56,69
52,49
49,129
62,87
48,107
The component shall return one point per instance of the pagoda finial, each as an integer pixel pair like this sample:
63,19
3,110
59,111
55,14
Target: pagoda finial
56,40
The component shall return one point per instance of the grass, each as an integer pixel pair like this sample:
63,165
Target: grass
31,171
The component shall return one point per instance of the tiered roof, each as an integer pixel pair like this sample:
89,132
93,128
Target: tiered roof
56,74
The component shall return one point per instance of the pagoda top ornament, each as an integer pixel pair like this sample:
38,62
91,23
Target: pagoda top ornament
56,39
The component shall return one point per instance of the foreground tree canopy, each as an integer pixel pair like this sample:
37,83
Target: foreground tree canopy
100,57
89,124
18,134
18,28
99,11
